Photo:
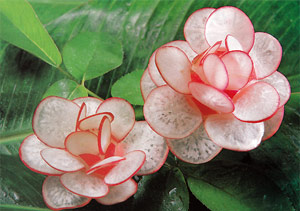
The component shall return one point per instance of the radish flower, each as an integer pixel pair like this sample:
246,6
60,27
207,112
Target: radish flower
90,149
218,89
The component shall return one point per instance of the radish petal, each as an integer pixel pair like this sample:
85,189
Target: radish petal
273,124
92,104
90,159
153,71
54,119
170,114
81,114
146,85
92,122
57,197
104,163
230,133
232,44
185,47
104,136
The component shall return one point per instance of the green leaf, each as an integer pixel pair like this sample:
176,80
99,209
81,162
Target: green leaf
128,88
21,27
89,55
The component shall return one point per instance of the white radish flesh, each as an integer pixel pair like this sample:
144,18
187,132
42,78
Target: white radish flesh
92,122
92,104
273,124
232,44
185,47
146,84
104,136
153,71
104,163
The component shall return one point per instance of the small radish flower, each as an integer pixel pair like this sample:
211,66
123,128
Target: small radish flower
90,149
218,89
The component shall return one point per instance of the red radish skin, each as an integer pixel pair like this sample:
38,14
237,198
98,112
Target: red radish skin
104,135
104,163
89,159
81,115
146,84
92,104
272,125
92,122
153,71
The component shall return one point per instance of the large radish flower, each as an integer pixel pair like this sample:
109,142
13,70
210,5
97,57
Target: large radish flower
90,149
218,89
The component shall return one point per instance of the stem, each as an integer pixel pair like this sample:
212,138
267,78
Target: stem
66,73
92,93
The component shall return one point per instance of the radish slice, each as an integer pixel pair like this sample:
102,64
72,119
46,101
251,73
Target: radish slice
196,148
232,44
124,116
194,29
104,163
185,47
61,160
104,135
229,21
266,54
170,114
82,143
30,154
230,133
90,159
54,119
256,103
174,67
126,168
153,71
92,104
57,197
81,114
119,193
215,72
211,97
239,67
84,185
146,84
273,124
93,122
143,138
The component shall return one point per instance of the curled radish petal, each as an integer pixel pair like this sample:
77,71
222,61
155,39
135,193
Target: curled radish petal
92,122
146,84
266,54
54,119
143,138
170,114
273,124
61,160
92,104
104,163
30,154
153,71
256,103
229,21
196,148
124,116
230,133
57,197
194,29
84,185
174,67
125,169
81,114
104,136
211,97
232,44
119,193
185,47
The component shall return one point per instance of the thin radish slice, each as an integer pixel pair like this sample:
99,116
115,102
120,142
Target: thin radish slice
142,137
124,116
104,163
54,119
81,114
92,104
61,160
273,124
82,142
211,97
90,159
153,71
146,84
266,54
194,29
185,47
174,67
170,114
232,44
30,154
239,67
281,84
119,193
57,197
229,21
215,72
84,185
230,133
104,136
134,160
93,122
256,103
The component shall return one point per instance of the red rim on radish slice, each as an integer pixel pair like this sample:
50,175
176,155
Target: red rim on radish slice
230,133
185,47
82,142
153,71
119,193
229,21
53,119
211,97
174,67
104,163
30,154
104,136
198,60
194,29
89,159
84,185
273,124
143,138
81,114
232,44
125,169
93,122
256,103
239,67
146,84
266,54
61,160
170,114
196,148
92,104
57,197
124,116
